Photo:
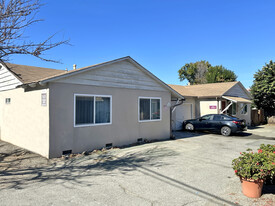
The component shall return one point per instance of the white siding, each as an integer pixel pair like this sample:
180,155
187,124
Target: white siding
120,75
237,91
7,79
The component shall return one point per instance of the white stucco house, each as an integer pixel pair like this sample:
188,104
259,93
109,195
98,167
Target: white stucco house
217,98
54,112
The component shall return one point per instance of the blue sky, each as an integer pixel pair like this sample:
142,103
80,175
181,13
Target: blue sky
162,35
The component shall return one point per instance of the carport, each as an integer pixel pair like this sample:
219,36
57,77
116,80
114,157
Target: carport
215,98
236,106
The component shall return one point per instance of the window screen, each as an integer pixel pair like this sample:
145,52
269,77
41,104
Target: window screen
102,110
84,110
144,110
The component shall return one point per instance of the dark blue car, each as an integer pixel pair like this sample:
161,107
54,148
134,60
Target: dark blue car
224,124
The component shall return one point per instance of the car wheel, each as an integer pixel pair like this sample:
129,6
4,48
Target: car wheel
189,127
225,131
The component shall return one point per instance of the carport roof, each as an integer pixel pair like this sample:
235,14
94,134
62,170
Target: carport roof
237,99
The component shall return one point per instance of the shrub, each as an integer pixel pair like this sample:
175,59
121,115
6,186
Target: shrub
259,165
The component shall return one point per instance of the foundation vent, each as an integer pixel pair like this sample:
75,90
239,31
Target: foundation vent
139,140
67,152
109,145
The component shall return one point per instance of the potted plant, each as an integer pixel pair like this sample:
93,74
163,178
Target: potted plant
255,168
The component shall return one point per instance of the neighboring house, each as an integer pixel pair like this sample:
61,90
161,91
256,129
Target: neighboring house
217,98
54,112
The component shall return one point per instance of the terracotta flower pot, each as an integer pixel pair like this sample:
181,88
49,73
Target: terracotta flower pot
252,188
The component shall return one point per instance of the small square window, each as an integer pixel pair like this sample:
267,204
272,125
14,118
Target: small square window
8,100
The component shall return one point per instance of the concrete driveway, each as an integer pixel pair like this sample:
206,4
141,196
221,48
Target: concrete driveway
194,169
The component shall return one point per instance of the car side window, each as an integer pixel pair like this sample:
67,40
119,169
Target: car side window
222,117
218,118
207,117
225,118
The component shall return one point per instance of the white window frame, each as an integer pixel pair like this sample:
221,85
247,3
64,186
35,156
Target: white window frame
93,95
160,112
242,108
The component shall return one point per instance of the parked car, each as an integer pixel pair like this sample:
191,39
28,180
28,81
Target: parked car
224,124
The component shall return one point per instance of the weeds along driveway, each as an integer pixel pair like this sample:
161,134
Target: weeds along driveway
195,169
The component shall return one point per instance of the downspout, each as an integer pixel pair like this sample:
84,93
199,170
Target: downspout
172,108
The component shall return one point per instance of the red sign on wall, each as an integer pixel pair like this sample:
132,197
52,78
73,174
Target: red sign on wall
212,106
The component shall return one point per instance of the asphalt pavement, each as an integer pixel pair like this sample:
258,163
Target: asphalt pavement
194,169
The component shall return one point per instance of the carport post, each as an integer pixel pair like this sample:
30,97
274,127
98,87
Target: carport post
218,105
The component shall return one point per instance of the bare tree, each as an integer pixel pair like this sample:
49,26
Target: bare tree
202,68
15,17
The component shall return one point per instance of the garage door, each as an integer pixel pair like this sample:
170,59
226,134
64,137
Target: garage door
183,112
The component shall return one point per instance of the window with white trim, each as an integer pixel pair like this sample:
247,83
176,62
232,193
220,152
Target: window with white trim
92,109
243,108
149,109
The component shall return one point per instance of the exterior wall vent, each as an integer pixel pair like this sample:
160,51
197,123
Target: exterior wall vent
139,140
67,152
109,145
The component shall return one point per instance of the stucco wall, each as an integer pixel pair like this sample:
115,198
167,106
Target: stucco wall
125,127
24,122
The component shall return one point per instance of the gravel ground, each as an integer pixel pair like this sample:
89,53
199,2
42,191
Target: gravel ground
194,169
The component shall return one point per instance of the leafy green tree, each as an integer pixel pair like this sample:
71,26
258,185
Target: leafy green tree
194,72
202,72
263,89
220,74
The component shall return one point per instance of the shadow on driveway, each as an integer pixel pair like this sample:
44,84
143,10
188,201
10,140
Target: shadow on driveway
14,175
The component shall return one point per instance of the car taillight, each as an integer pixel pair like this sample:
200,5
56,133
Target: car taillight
236,122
